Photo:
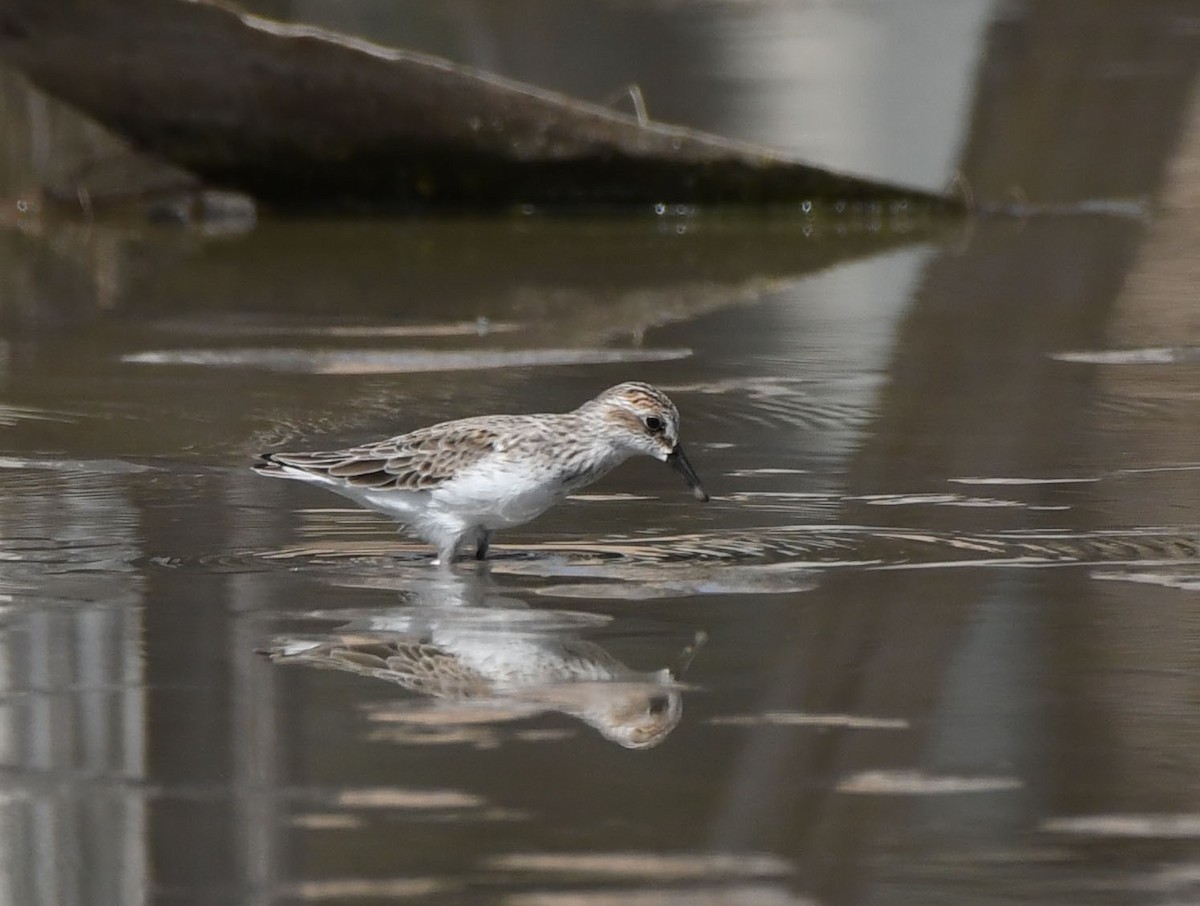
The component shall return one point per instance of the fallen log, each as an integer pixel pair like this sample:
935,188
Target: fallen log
300,117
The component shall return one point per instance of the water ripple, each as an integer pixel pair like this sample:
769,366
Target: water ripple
1152,826
382,361
13,415
776,403
1154,355
915,783
777,558
1183,579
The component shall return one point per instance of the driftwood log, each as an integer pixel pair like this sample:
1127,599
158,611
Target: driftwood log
299,117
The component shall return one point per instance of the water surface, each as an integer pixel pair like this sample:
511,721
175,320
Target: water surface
933,640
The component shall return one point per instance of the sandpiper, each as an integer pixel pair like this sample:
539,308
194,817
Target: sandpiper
461,480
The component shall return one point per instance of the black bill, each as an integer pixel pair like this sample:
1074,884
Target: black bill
677,461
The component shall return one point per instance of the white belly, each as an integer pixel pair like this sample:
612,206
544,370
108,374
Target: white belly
497,499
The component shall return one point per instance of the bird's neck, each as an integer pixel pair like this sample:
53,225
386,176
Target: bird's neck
592,458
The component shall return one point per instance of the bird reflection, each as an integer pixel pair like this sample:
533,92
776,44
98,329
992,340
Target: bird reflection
459,642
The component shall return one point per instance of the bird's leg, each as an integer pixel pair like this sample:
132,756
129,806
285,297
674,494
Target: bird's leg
482,538
447,548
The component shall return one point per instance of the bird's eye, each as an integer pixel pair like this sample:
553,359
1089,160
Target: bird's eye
654,423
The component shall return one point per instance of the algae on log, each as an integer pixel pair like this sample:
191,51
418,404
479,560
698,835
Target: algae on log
300,117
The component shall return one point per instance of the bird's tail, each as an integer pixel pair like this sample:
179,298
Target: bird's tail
268,466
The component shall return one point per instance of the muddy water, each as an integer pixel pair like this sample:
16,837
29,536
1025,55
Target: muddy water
933,640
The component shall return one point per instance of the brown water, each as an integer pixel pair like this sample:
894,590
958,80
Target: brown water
934,640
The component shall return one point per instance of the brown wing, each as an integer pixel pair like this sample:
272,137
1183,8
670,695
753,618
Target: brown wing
420,460
410,662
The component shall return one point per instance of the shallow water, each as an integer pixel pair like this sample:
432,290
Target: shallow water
933,640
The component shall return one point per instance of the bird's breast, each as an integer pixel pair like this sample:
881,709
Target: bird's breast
506,491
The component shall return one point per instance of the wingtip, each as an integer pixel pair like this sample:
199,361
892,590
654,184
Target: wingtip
266,463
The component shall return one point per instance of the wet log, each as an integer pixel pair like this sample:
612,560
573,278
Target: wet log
300,117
